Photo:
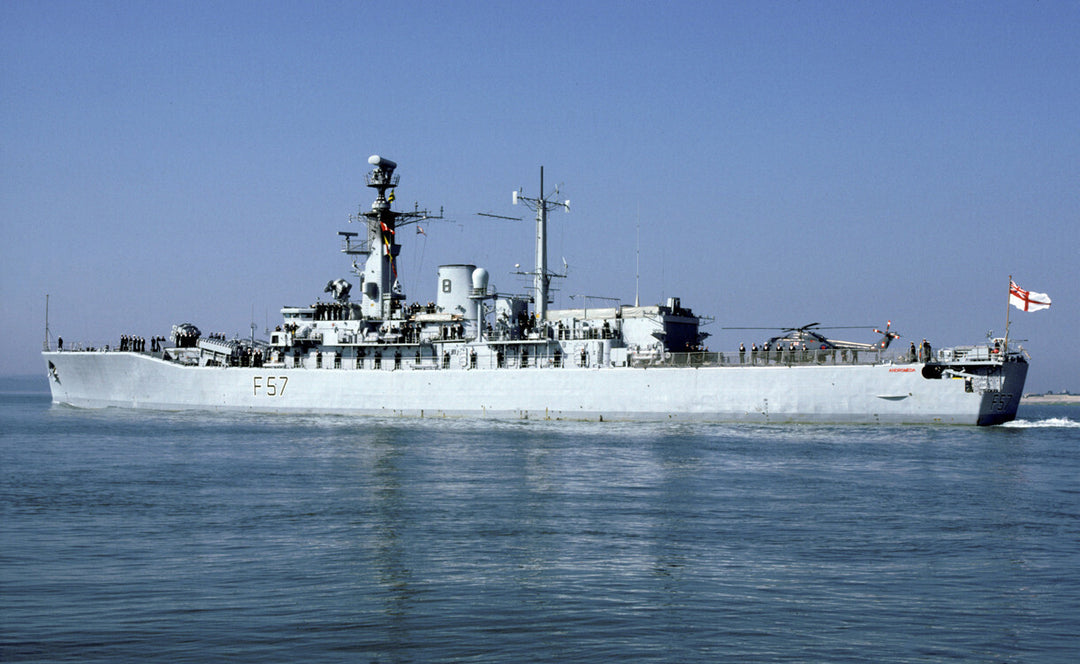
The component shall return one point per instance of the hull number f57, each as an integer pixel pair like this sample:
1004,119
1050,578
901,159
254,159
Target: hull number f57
1001,402
270,386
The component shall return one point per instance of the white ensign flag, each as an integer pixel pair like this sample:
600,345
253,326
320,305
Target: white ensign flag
1027,300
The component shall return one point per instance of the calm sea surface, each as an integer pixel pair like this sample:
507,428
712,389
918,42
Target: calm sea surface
163,537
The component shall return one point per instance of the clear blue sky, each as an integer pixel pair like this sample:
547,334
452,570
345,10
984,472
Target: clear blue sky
786,163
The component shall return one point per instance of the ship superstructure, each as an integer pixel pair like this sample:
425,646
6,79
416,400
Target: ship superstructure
478,352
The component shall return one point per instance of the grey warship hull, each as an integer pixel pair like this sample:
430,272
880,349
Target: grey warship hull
862,394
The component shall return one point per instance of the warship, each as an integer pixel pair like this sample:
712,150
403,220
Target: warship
476,352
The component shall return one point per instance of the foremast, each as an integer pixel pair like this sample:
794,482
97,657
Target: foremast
381,290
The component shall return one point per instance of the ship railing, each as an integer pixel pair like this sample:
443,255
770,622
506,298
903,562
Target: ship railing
381,178
980,353
988,383
91,347
772,358
354,247
587,333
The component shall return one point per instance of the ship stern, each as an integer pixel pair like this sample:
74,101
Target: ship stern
1001,406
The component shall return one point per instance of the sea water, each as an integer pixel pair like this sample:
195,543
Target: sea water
131,536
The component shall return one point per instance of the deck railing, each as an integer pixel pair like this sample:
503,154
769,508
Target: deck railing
540,356
798,357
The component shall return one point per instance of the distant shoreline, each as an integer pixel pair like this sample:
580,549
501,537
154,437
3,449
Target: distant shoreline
1051,398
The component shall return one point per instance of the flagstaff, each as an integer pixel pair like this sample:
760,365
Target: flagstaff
1008,306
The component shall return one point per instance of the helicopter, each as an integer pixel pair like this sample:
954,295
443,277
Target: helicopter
809,337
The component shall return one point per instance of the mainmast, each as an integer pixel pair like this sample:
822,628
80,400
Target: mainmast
541,276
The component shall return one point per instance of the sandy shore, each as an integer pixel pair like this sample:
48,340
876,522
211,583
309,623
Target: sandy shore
1051,398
